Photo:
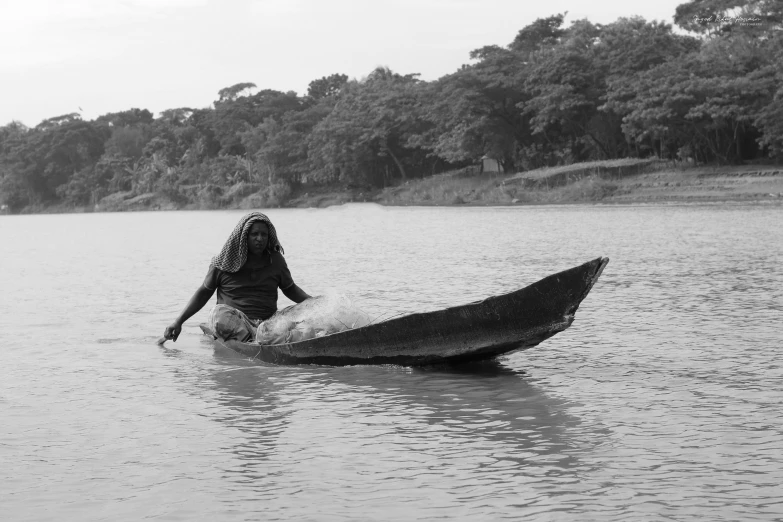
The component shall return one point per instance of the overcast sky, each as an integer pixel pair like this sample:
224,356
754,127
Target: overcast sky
99,56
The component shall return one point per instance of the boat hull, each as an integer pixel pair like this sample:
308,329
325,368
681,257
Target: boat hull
481,330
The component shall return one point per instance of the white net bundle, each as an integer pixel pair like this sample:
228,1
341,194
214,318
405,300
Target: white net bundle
314,317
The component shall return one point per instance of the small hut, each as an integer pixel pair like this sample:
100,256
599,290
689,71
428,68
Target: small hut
490,164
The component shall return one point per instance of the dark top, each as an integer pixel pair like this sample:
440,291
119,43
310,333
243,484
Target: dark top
253,288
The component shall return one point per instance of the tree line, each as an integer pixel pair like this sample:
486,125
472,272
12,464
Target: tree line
711,92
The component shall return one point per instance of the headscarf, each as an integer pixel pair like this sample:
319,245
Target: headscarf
234,253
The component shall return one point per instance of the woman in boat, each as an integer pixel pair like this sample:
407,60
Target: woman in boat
246,274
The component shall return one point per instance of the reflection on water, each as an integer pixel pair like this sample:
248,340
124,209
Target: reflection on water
663,400
482,427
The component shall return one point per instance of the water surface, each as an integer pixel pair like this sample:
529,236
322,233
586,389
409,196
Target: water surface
663,400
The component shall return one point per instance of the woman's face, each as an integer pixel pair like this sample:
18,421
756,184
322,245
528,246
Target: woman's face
257,238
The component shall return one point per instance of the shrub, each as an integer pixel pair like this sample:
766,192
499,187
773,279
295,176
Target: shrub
253,201
239,191
209,196
277,193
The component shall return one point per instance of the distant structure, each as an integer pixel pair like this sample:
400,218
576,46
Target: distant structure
490,164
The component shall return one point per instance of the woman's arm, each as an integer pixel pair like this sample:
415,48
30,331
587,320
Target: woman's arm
196,303
295,294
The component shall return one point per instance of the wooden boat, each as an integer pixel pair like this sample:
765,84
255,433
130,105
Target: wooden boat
481,330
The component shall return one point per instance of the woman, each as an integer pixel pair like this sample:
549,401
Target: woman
246,274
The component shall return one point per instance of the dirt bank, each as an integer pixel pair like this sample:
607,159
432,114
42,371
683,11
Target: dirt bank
654,183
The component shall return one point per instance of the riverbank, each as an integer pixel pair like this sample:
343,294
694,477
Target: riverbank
628,181
597,182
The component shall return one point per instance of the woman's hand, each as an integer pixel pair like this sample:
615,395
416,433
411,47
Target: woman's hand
196,303
172,331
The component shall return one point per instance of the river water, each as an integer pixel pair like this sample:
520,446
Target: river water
662,401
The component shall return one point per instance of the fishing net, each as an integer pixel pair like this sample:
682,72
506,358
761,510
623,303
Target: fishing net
314,317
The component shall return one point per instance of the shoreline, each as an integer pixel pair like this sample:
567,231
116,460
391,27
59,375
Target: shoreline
658,184
639,202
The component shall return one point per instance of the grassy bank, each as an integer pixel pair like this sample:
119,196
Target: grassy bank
621,181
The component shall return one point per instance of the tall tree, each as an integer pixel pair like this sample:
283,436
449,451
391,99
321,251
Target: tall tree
129,118
327,86
371,122
47,156
229,94
235,114
280,150
566,84
474,110
543,33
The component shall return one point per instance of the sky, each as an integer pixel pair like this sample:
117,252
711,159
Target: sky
98,56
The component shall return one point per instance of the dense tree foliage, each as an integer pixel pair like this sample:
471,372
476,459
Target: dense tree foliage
556,94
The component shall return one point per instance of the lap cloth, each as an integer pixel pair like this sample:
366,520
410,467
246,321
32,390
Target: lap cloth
230,324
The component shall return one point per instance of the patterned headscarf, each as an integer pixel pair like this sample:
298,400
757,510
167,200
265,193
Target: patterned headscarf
234,253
